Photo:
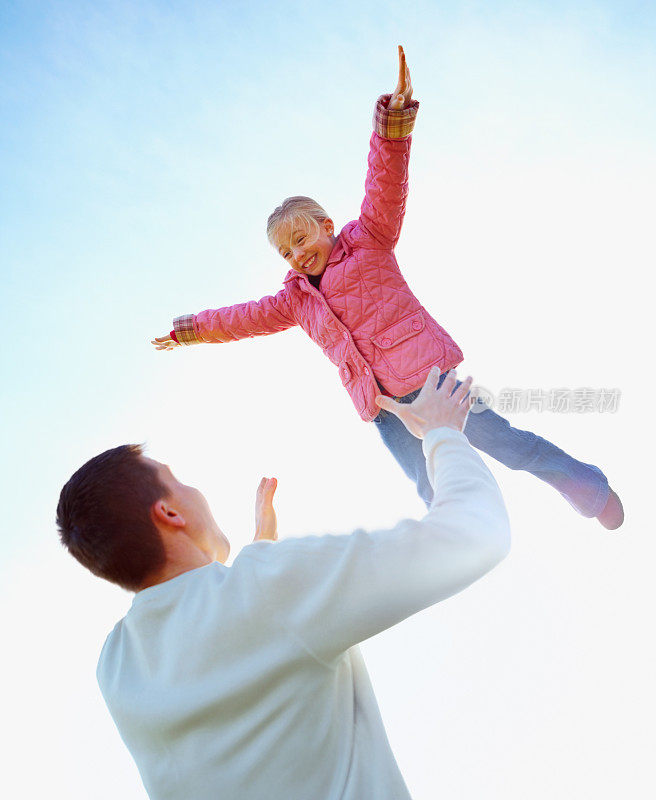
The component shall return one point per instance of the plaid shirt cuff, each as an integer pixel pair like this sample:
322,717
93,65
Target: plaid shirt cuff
391,124
184,329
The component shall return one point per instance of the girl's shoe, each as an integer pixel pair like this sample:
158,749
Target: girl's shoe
613,514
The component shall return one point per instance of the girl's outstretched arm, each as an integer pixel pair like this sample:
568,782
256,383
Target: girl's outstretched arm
383,209
271,314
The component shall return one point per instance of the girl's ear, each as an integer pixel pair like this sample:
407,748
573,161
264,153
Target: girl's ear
165,514
329,225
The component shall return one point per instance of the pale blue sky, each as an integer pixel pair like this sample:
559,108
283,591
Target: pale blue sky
142,146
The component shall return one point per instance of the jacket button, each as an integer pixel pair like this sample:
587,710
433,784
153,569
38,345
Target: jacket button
345,335
366,371
416,324
386,342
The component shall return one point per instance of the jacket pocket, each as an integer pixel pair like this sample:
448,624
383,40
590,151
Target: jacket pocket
407,346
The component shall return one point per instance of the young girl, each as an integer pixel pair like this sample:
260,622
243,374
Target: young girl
347,292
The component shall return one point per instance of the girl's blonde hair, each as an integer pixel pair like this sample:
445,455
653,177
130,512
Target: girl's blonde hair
298,209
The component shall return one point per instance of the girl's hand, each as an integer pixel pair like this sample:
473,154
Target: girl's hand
266,524
403,92
165,343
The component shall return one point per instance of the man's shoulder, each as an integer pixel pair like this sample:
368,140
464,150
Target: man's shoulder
266,550
274,559
107,658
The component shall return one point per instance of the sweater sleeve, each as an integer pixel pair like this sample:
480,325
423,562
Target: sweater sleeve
271,314
331,592
386,185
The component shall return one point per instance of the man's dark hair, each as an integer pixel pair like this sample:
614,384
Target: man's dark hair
103,517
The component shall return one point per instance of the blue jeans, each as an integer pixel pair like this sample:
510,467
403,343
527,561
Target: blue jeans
584,486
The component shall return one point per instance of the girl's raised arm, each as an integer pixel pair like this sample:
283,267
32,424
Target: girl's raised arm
386,186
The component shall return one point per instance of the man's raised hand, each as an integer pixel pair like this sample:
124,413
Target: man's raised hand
433,407
403,93
266,524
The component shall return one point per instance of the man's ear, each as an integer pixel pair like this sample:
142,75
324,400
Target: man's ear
164,513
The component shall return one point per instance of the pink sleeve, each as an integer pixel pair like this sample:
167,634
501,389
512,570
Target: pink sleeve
271,314
386,186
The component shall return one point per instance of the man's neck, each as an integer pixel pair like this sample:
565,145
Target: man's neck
177,564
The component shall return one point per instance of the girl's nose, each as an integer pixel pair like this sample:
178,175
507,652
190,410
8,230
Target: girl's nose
298,254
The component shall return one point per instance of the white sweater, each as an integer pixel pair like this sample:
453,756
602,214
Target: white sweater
245,682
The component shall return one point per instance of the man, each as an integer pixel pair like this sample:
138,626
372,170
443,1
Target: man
246,682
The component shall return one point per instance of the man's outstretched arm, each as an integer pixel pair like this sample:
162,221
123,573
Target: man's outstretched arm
332,592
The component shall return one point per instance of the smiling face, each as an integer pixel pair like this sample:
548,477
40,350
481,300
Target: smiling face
305,251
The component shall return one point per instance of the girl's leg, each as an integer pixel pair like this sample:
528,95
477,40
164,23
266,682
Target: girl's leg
406,449
584,486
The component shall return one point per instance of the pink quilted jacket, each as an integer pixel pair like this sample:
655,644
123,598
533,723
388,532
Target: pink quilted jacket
364,317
